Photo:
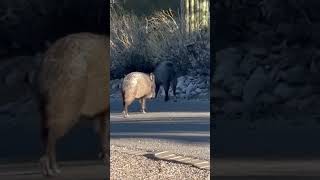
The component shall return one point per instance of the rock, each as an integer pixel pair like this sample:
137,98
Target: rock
233,107
294,75
202,85
198,90
284,29
189,89
254,85
228,54
274,74
311,102
283,91
227,62
15,76
115,85
259,27
277,48
219,93
306,91
293,104
258,52
192,93
267,98
180,79
313,79
247,65
315,33
313,67
237,88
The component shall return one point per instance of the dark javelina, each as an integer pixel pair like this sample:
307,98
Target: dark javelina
137,85
73,83
165,74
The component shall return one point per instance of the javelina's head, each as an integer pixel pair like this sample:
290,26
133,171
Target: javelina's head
152,94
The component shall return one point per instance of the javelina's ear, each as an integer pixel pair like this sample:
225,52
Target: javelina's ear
151,76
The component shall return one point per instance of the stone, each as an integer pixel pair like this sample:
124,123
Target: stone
254,85
284,29
189,89
15,76
227,62
248,65
311,102
306,91
283,91
198,90
202,85
233,107
313,67
293,104
294,75
114,85
219,93
237,89
258,52
267,98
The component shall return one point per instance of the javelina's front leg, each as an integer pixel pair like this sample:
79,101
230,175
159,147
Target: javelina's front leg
143,105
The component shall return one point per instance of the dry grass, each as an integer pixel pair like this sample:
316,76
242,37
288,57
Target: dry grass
139,43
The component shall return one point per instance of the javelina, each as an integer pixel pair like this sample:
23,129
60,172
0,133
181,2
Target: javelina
165,74
73,83
137,85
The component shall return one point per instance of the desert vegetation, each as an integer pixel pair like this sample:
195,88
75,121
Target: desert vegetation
138,43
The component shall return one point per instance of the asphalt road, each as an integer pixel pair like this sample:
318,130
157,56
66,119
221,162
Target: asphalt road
181,127
82,170
264,167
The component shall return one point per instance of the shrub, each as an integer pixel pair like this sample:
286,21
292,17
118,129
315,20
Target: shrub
139,43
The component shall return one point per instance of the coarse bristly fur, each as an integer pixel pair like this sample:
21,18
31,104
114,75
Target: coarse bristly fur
73,82
166,75
137,85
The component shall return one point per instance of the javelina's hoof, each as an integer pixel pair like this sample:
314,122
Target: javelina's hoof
45,167
56,170
101,155
125,115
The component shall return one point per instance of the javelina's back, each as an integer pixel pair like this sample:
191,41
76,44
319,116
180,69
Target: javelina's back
165,71
75,76
73,81
165,74
137,84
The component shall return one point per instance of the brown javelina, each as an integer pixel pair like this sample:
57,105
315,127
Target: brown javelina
73,83
165,74
137,85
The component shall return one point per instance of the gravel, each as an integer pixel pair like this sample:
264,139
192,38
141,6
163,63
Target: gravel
133,167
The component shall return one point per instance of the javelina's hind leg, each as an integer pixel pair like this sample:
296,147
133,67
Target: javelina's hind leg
166,90
157,90
126,104
174,87
104,134
48,160
143,105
